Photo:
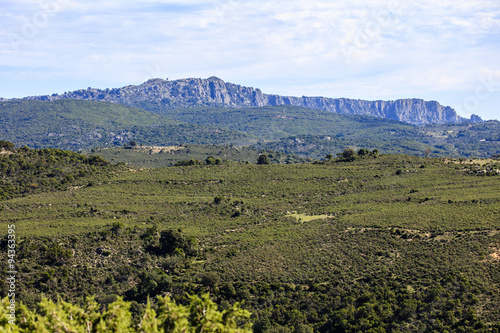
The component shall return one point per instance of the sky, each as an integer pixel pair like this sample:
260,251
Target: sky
448,51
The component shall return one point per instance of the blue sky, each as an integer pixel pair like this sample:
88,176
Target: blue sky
447,51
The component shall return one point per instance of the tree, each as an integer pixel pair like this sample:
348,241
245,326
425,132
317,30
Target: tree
6,145
263,159
363,152
302,328
348,153
189,162
201,315
131,144
173,240
210,160
96,160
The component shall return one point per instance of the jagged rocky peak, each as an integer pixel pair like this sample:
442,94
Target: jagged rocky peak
475,119
154,81
159,95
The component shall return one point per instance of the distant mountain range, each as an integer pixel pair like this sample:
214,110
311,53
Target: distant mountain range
160,96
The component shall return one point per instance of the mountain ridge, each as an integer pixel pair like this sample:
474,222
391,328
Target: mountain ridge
84,124
161,95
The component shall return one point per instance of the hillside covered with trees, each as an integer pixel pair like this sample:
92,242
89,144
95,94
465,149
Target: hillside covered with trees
81,124
361,241
75,125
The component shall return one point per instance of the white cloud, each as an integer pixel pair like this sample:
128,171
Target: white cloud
378,49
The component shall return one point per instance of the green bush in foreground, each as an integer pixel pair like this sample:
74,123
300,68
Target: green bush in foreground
201,315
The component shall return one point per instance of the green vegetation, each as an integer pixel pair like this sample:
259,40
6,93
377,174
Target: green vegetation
308,218
79,124
263,159
165,316
466,140
315,133
26,171
162,156
361,242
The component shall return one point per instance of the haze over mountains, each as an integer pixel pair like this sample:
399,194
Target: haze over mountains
160,95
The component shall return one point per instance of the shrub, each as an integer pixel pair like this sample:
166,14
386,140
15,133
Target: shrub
263,159
363,152
172,240
96,160
210,160
6,145
200,315
348,152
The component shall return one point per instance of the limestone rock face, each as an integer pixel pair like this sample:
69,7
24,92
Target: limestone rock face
162,94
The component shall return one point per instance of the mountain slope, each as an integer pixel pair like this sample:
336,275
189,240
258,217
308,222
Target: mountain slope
387,244
82,124
316,133
72,124
162,95
274,122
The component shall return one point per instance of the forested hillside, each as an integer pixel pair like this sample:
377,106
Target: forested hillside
77,124
24,171
357,242
314,133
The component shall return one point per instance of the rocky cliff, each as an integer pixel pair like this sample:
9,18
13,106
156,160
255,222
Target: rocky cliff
160,95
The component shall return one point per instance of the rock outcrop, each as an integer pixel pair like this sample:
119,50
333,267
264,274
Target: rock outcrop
160,95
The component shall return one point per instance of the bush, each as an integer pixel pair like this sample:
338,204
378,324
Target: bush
188,162
363,152
96,160
263,159
172,240
200,315
56,254
210,160
6,145
348,153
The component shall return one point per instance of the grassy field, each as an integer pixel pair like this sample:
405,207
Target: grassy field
399,243
391,191
163,156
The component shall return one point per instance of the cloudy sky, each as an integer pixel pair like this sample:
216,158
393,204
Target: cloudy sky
444,50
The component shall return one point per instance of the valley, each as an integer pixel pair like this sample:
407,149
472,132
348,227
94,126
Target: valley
393,242
198,202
